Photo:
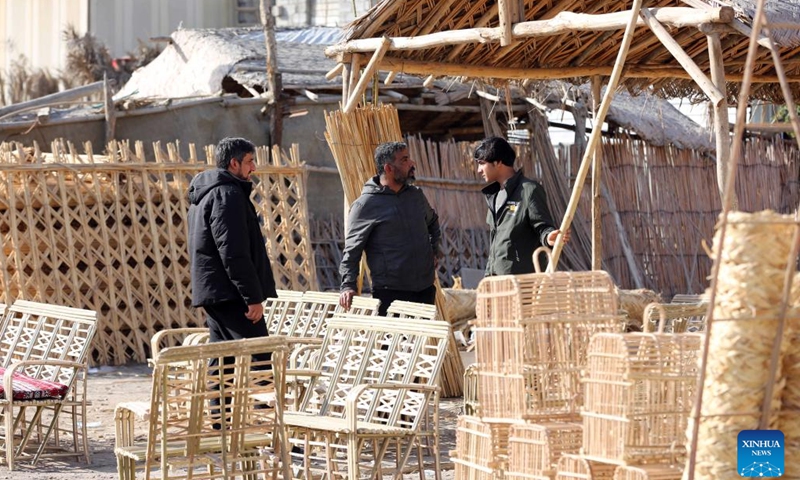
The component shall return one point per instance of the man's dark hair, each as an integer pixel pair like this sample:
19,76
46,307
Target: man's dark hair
385,154
494,149
231,147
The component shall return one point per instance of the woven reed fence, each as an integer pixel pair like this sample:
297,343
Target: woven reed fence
108,233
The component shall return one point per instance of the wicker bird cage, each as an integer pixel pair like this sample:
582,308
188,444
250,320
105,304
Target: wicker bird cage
481,449
534,449
649,472
575,467
471,404
531,337
640,388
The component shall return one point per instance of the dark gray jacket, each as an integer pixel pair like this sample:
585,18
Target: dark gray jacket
399,233
519,227
227,251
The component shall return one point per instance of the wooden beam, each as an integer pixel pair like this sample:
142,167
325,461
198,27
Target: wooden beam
564,22
390,78
415,67
372,68
721,121
334,72
506,22
594,138
355,72
110,111
273,76
683,58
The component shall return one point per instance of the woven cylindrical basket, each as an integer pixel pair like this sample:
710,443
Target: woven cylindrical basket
753,262
789,416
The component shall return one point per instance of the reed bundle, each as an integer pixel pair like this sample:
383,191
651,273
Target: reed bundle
758,250
108,233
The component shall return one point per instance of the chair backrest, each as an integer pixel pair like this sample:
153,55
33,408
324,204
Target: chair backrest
38,331
677,317
402,309
186,393
361,350
362,306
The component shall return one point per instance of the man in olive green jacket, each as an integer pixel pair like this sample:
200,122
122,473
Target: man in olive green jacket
518,217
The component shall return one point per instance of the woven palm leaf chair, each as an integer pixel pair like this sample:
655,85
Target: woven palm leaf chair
207,421
376,378
44,351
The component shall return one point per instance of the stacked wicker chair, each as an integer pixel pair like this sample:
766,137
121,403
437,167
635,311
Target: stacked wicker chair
531,332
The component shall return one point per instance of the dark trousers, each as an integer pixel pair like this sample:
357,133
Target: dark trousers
226,321
387,296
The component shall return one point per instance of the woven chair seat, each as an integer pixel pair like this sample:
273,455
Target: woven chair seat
27,388
341,425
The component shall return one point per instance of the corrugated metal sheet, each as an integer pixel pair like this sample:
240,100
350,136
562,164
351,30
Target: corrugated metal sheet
120,23
34,28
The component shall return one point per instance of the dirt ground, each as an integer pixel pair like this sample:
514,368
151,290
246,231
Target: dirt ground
108,386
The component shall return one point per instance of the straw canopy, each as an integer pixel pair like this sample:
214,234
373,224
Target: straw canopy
516,40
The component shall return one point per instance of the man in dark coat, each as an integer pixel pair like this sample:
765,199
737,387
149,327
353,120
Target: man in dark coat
231,274
519,220
393,223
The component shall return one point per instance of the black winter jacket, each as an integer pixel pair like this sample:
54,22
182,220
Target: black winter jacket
227,251
399,233
519,227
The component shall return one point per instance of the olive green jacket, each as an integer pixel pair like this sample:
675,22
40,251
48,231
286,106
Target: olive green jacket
519,227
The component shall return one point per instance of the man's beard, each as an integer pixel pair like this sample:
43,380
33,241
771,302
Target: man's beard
407,180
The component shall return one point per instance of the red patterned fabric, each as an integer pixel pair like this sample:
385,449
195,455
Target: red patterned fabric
27,388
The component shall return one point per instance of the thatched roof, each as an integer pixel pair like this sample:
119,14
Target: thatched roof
459,38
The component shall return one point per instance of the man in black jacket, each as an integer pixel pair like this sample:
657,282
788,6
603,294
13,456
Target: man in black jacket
519,220
395,225
231,274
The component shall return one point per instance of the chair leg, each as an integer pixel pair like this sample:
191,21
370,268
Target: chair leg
53,421
353,456
9,417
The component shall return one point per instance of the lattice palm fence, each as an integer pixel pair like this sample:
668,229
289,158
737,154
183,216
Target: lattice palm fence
108,233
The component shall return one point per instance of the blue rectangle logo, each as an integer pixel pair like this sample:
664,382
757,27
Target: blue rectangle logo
760,453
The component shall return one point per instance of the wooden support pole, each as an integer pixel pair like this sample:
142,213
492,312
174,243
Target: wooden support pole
355,73
416,67
372,67
683,58
594,138
334,72
564,22
110,111
506,22
597,169
390,78
721,132
345,82
273,76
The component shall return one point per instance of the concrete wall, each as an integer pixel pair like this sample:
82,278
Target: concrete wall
204,125
34,28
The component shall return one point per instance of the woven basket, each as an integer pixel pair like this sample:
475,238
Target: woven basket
640,388
481,449
531,336
534,449
575,467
